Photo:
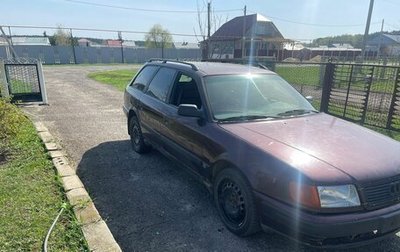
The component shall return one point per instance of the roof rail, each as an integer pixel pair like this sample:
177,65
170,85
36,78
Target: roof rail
175,61
254,63
262,66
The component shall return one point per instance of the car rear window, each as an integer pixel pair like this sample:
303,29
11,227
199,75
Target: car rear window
144,77
161,83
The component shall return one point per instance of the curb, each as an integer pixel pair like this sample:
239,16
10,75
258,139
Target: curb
94,228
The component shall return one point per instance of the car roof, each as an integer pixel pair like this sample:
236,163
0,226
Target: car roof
214,68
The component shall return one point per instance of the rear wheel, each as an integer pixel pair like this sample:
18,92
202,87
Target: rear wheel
137,140
235,203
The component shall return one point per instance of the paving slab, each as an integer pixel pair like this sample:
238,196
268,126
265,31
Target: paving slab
46,137
95,233
65,170
78,196
86,212
56,153
51,146
71,182
40,127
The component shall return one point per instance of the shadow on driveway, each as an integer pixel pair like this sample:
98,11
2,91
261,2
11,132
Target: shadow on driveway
152,204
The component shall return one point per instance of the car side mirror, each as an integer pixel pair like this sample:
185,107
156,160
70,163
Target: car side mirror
189,110
309,98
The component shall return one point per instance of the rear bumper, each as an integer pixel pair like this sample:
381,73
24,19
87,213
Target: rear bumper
329,230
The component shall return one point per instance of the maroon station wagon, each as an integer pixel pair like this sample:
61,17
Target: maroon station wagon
268,157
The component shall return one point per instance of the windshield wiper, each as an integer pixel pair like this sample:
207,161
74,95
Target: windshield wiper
246,118
297,112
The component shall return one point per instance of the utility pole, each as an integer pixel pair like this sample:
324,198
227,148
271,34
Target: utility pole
371,6
72,45
208,19
208,28
244,33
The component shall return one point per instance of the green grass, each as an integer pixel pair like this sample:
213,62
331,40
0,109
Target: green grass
300,75
20,87
116,78
30,192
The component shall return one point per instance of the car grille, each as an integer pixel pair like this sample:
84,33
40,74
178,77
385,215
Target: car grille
382,194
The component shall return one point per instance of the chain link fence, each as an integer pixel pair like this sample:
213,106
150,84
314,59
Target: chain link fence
307,78
23,80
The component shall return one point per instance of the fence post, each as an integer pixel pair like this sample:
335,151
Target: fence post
327,86
393,102
41,82
3,81
72,45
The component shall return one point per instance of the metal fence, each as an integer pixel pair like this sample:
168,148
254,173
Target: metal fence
23,80
365,94
93,55
307,78
361,93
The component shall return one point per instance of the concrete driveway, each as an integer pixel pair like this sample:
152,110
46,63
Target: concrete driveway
148,202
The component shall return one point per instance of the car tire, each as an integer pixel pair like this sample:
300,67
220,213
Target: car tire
137,140
235,202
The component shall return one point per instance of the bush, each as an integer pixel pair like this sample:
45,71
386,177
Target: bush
10,120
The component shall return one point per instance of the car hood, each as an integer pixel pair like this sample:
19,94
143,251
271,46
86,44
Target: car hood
324,141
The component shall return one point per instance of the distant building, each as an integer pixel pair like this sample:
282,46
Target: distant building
342,46
84,42
186,45
386,44
128,43
113,43
245,36
3,41
22,40
298,51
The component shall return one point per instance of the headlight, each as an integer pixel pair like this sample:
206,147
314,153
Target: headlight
338,196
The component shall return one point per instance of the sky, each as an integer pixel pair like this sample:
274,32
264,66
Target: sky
301,20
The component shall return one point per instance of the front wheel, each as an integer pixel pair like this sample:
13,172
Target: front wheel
137,140
235,203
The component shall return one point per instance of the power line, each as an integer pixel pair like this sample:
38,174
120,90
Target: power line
391,2
314,24
110,30
145,10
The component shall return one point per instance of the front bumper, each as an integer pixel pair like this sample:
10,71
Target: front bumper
126,110
328,230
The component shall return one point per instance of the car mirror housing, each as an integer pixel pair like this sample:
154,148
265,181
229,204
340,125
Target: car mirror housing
189,110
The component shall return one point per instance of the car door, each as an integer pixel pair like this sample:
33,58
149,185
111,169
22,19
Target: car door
153,104
185,135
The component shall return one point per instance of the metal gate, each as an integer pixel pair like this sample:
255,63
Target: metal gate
364,94
24,80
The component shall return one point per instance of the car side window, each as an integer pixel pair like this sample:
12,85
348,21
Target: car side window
144,77
185,91
161,83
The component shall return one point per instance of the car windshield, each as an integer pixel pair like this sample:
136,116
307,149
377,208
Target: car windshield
254,97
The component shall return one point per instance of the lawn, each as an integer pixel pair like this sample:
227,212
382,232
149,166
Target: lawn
116,78
312,75
300,74
30,192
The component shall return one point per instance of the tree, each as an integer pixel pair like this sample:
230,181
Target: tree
216,21
61,37
158,37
